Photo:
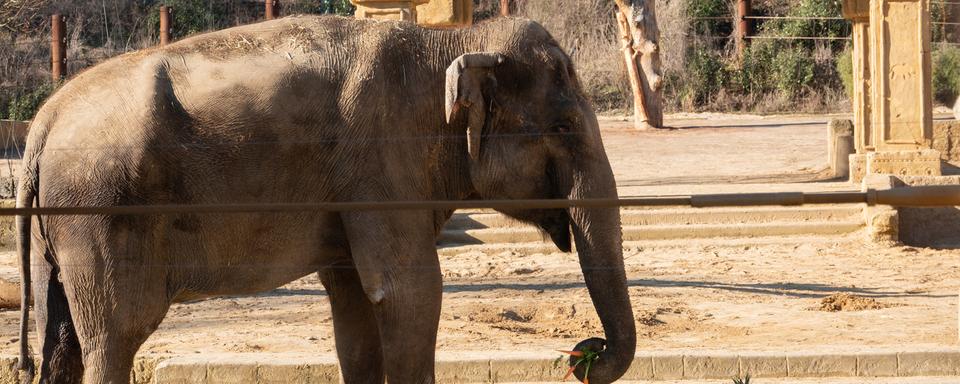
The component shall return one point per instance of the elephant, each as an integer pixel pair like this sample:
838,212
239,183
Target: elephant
306,109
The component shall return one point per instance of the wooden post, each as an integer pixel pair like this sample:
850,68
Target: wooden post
164,25
58,47
744,10
271,9
640,44
505,8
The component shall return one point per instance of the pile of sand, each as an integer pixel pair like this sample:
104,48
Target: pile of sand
840,302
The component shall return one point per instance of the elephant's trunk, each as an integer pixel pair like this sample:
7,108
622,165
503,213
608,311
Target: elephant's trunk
599,243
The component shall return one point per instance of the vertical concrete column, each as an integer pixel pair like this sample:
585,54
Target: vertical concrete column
403,10
901,90
903,117
883,221
840,146
447,13
858,11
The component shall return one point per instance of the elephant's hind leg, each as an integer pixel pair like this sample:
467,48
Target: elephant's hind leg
62,361
355,326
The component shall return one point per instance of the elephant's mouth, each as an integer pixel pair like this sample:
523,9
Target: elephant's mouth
557,224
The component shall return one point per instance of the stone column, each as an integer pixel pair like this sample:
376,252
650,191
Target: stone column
893,110
902,109
858,11
404,10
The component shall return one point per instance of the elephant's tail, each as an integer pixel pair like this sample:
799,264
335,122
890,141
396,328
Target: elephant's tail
26,196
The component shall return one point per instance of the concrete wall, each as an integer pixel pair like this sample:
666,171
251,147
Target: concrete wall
930,227
946,139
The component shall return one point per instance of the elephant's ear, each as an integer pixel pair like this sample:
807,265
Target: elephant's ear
464,89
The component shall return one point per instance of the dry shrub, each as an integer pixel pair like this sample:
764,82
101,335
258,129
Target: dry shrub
587,30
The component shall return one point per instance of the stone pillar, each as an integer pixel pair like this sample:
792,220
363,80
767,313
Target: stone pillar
840,147
902,109
858,11
901,74
445,13
404,10
893,110
883,221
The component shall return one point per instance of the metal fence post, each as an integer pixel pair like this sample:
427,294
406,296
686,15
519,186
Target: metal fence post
58,47
271,9
744,11
165,26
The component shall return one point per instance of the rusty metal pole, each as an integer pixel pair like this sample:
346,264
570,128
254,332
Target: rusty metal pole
271,9
58,47
505,8
744,10
164,25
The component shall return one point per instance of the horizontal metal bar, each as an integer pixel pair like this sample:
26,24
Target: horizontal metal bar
922,196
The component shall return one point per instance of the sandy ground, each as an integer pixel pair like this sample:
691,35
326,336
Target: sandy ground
700,295
687,295
827,380
716,150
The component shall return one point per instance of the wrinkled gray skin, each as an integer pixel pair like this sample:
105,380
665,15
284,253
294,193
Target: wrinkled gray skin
307,109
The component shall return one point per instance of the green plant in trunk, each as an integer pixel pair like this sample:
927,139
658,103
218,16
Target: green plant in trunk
742,380
585,358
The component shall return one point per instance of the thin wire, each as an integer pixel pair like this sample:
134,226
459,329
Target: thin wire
796,38
387,139
794,18
208,145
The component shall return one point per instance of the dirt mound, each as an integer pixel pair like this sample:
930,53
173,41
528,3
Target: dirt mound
841,302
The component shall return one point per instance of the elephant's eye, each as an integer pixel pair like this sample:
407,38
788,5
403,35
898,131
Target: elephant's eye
561,128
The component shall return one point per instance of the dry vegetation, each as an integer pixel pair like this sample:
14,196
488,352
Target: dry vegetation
701,69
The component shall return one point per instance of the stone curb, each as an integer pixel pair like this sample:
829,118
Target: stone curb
530,367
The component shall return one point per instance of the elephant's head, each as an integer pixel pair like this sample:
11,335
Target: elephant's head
532,134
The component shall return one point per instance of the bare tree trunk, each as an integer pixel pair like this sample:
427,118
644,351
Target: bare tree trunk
640,39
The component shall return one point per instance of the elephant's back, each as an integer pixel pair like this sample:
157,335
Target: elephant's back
229,113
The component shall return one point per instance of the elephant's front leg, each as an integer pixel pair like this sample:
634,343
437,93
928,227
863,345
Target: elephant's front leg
396,259
355,326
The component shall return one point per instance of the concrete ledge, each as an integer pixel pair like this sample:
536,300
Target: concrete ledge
540,367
